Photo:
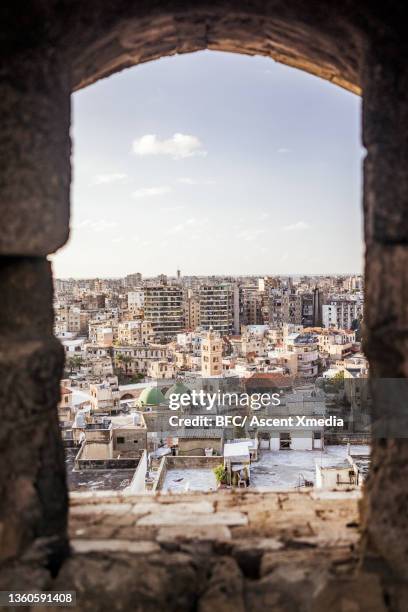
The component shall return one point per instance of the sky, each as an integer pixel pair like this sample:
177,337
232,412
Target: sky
214,163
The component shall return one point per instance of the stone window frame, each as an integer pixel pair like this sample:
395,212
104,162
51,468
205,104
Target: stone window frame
47,55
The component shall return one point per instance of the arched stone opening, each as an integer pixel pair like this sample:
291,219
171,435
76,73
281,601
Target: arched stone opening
254,30
47,53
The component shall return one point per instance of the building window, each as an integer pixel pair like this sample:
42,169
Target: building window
120,440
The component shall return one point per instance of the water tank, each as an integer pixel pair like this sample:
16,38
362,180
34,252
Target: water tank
136,418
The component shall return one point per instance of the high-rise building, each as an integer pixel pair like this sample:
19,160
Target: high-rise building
307,309
136,299
250,305
133,280
219,308
292,308
192,310
163,307
268,282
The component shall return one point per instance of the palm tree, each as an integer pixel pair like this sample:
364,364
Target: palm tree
124,360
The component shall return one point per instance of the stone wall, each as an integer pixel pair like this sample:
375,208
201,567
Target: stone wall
52,48
236,551
32,474
189,462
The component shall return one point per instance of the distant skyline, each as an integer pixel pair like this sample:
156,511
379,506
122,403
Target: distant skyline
216,164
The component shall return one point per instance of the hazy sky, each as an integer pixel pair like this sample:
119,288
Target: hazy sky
214,163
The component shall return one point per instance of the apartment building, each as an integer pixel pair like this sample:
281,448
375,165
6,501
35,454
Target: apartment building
132,280
336,343
164,308
136,359
341,313
71,319
306,349
267,283
135,300
219,308
157,369
104,336
250,305
105,396
135,332
292,304
192,310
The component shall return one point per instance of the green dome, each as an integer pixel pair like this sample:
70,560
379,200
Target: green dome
151,396
178,389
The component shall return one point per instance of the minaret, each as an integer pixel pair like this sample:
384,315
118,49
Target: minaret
211,354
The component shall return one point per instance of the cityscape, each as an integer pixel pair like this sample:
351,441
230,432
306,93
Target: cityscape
283,348
208,183
203,313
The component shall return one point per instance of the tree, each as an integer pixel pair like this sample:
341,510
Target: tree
124,361
220,474
74,363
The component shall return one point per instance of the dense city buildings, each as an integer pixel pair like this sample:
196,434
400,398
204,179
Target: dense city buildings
137,311
136,345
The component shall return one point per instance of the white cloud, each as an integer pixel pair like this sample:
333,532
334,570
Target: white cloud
188,224
101,225
250,234
187,181
180,227
190,181
179,146
147,192
113,177
172,208
299,226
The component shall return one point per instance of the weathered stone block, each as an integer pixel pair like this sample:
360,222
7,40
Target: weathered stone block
34,153
193,532
114,545
102,509
32,478
386,193
386,311
173,518
199,507
225,588
26,298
